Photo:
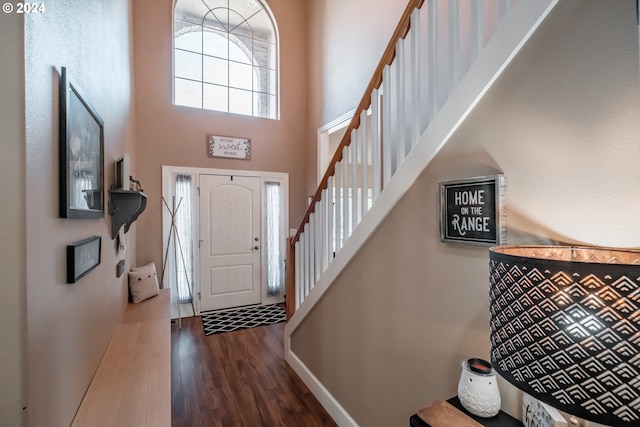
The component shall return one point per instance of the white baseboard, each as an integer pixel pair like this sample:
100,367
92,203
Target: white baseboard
326,399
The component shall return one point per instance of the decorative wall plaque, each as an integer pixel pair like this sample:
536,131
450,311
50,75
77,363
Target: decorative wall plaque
474,210
234,148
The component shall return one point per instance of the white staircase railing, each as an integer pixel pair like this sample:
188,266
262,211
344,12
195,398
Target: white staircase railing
432,50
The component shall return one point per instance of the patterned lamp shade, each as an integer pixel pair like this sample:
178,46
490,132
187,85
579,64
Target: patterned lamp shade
565,328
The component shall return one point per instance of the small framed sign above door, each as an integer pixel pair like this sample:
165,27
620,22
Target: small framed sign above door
233,148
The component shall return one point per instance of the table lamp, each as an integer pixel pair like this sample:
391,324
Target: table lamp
565,328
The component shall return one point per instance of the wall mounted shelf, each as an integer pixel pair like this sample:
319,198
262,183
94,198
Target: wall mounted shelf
125,206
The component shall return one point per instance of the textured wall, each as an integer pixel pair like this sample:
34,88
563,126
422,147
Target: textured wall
12,223
177,136
69,326
562,125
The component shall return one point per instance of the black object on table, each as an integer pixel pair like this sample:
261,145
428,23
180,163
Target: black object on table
501,420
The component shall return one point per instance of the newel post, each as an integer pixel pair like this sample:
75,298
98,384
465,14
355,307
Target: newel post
290,281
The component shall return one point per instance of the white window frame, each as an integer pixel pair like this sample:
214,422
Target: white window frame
276,114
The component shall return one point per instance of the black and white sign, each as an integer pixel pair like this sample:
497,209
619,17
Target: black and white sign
474,210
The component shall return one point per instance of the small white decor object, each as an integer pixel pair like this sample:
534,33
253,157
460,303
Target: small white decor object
478,389
538,414
234,148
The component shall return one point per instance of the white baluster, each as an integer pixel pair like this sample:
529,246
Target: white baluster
477,29
319,237
432,61
416,129
387,143
338,208
375,143
299,284
331,219
324,232
345,195
305,261
353,155
399,63
312,246
454,45
364,165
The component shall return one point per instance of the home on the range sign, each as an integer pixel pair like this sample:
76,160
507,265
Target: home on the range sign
473,210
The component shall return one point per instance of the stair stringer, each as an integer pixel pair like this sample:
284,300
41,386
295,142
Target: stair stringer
522,22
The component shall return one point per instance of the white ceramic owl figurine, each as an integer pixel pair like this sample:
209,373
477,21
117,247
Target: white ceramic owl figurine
478,389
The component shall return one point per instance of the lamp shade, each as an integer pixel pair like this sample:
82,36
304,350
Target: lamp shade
565,328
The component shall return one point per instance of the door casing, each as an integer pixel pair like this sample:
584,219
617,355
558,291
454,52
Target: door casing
168,179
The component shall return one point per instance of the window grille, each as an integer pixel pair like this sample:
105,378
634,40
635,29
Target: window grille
226,57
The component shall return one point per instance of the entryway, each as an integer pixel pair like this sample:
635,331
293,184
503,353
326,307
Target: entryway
233,227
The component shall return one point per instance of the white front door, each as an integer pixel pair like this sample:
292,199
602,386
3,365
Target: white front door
230,218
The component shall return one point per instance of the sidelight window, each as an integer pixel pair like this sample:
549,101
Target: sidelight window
274,232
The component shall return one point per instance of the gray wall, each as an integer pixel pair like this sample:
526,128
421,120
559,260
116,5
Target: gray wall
562,125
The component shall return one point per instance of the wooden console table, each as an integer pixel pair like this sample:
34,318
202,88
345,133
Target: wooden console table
132,385
501,420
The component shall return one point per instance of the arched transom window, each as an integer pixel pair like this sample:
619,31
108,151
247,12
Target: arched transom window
225,57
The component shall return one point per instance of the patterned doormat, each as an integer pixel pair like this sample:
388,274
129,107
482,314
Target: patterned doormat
217,322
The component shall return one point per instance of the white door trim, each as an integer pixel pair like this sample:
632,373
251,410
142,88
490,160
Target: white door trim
168,177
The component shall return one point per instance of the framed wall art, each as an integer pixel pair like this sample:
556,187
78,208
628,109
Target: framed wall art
123,173
82,257
474,210
81,163
231,148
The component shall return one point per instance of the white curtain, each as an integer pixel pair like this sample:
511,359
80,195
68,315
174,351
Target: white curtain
274,238
184,226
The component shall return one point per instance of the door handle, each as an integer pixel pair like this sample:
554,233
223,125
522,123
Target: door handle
255,248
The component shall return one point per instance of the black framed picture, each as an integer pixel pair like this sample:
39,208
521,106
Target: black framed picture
81,143
82,257
473,211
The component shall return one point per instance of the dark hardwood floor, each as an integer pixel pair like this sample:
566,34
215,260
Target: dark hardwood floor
237,379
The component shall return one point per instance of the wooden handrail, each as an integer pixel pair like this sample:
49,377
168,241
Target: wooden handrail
387,58
290,280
